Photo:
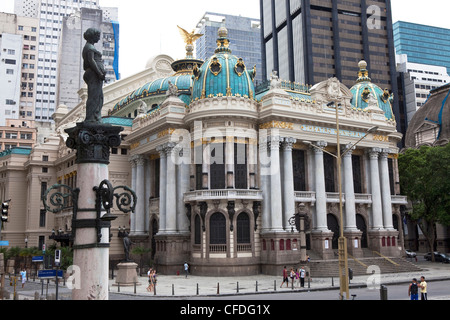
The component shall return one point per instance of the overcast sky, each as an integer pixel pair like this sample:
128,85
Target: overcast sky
149,27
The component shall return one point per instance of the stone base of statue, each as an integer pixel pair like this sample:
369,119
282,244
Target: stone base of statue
127,275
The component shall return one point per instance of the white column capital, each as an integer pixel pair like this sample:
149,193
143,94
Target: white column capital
288,143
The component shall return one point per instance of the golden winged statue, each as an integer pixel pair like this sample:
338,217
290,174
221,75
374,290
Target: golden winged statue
189,38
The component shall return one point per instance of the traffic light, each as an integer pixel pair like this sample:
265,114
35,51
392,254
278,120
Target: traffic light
5,209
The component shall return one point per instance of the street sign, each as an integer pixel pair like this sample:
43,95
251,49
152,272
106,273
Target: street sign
37,259
4,243
49,274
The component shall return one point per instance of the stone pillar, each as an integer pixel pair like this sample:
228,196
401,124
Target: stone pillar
265,184
149,172
321,195
229,158
349,191
133,186
93,143
253,162
275,185
377,210
183,186
140,193
351,232
162,188
386,198
171,195
288,180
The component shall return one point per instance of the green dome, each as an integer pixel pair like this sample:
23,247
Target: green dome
223,74
364,90
159,87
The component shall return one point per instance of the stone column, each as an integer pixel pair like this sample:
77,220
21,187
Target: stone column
386,197
183,186
321,195
140,193
229,158
162,188
252,163
265,184
275,185
377,210
171,187
133,186
288,180
349,191
149,172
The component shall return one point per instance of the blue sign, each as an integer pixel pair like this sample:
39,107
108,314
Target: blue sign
37,259
49,274
4,243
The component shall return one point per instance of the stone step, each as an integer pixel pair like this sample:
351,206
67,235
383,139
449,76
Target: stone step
330,268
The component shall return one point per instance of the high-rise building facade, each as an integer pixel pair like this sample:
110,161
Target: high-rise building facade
418,80
309,41
51,14
244,34
70,72
18,67
423,44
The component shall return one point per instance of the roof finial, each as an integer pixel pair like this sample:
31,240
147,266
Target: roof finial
363,74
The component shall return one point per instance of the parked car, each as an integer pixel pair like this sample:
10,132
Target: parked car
438,257
410,254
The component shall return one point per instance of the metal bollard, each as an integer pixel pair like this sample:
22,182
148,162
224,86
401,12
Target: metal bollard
218,291
197,288
256,286
383,293
237,288
173,290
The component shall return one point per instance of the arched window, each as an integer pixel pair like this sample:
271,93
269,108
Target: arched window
217,229
243,228
198,232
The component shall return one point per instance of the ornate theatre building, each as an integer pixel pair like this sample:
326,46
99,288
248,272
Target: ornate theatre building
234,179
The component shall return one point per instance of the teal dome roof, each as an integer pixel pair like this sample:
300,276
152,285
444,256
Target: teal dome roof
223,74
159,87
364,91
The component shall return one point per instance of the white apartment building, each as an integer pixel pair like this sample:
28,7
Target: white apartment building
10,68
419,80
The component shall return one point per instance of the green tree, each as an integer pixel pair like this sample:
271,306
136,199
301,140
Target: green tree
425,180
141,251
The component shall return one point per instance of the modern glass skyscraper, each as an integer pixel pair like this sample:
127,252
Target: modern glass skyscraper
244,34
423,44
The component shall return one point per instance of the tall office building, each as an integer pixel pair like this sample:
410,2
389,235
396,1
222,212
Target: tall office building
51,14
423,44
309,41
244,34
70,74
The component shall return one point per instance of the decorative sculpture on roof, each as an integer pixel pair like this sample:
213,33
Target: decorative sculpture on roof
189,38
334,90
172,91
275,82
94,76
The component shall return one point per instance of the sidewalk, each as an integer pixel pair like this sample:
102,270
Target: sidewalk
196,286
179,286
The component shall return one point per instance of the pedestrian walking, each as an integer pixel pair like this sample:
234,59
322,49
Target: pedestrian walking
292,276
423,288
23,275
302,277
413,290
150,282
186,269
285,277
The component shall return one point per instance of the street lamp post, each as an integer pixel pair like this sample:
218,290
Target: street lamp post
342,241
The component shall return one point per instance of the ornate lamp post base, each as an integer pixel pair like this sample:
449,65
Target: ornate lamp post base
93,141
